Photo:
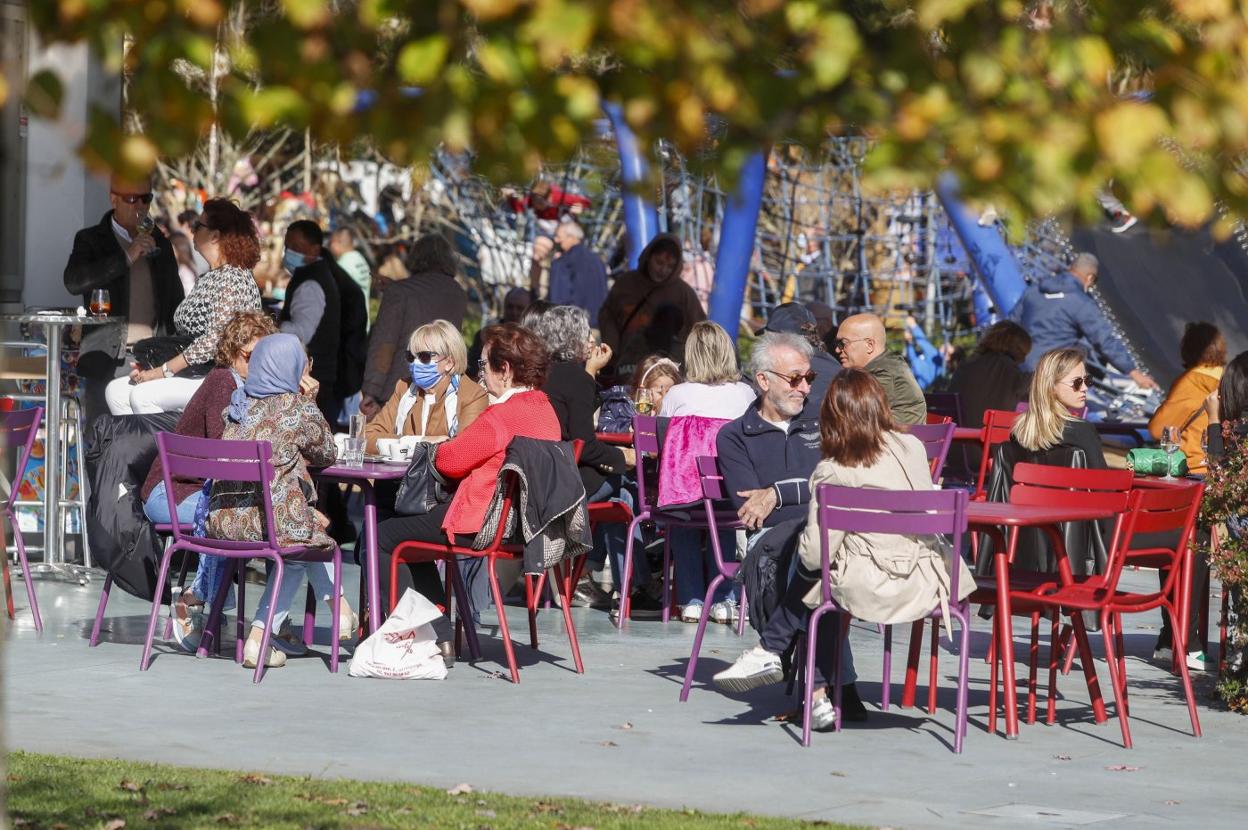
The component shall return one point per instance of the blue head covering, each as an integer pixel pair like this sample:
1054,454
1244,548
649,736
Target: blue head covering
276,365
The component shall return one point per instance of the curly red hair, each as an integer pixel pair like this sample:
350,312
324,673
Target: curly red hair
519,348
240,243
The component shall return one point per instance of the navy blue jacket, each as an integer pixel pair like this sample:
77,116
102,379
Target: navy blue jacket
579,278
754,454
1058,313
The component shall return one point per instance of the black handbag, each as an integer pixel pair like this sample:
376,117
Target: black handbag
152,352
422,487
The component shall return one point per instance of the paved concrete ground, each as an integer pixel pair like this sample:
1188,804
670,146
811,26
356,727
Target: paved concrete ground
618,733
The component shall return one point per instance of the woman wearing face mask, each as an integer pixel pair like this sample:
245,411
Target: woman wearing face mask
436,400
227,239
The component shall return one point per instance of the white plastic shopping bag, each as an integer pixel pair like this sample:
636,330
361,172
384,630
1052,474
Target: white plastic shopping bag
405,647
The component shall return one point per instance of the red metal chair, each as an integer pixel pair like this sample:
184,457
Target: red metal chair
1151,511
566,575
17,431
996,430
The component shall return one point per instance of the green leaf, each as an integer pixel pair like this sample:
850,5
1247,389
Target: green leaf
420,61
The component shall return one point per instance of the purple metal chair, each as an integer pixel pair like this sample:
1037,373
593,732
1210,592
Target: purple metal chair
712,492
18,429
646,446
243,461
855,510
936,438
163,530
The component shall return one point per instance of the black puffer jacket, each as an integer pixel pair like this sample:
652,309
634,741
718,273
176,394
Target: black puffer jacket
123,541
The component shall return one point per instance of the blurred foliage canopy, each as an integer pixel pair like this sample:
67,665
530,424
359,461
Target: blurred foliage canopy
1036,105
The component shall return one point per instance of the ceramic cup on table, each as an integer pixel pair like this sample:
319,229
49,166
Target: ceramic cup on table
396,449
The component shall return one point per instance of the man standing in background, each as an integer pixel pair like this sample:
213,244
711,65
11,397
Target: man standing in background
342,246
578,276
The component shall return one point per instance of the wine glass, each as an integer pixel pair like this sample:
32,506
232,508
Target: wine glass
645,402
146,225
101,303
1170,444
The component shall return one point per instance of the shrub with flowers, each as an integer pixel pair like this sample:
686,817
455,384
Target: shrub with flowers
1226,504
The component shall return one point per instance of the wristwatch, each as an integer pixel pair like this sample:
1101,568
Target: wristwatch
164,367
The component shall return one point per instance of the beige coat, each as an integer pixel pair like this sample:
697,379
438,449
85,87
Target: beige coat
892,578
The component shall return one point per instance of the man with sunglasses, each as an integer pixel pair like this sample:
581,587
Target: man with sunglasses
767,457
1058,313
139,271
861,344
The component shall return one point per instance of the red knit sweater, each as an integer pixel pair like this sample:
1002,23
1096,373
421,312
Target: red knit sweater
476,454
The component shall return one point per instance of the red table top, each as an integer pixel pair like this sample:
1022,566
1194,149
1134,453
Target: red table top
371,469
1026,515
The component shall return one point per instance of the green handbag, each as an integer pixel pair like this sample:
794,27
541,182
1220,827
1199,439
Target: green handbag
1149,461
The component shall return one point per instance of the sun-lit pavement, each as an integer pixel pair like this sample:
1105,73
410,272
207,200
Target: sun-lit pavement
618,733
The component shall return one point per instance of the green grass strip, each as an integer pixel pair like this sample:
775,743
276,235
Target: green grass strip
55,792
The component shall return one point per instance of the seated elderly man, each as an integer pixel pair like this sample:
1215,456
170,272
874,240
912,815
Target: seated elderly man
861,344
767,457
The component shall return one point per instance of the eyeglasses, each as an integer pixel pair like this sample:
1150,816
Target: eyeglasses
134,198
794,380
1076,383
423,357
842,342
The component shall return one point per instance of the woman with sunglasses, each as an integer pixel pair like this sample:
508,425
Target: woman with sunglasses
436,400
226,237
1059,388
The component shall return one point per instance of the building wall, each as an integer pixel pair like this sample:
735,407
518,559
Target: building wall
61,195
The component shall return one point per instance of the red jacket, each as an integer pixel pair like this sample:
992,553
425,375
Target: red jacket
476,454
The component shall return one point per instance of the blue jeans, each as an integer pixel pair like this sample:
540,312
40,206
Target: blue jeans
695,564
156,508
611,540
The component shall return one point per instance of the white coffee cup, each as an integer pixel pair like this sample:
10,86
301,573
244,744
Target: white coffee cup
396,449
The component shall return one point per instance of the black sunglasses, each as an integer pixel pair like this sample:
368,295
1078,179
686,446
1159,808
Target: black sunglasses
794,380
1077,383
423,357
134,198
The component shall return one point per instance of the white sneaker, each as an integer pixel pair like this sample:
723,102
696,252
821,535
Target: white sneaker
1198,661
692,612
251,654
725,611
755,667
823,715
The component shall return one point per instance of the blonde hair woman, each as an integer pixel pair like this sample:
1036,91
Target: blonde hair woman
1059,388
437,400
713,386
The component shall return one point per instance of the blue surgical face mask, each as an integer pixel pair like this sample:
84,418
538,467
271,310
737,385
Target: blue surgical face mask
425,375
292,260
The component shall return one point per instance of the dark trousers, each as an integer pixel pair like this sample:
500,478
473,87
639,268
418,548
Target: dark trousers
1200,590
791,618
422,576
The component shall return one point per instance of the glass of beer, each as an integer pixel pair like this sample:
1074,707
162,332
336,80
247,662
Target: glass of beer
101,303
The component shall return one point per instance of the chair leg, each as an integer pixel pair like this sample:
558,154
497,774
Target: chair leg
20,542
212,626
239,624
463,609
808,687
266,637
933,669
842,640
1124,701
743,610
992,681
99,612
1054,651
964,672
626,588
1107,634
1033,659
533,590
335,633
146,659
1089,668
502,620
568,576
912,664
886,681
666,614
1069,648
697,637
1187,679
8,590
309,615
